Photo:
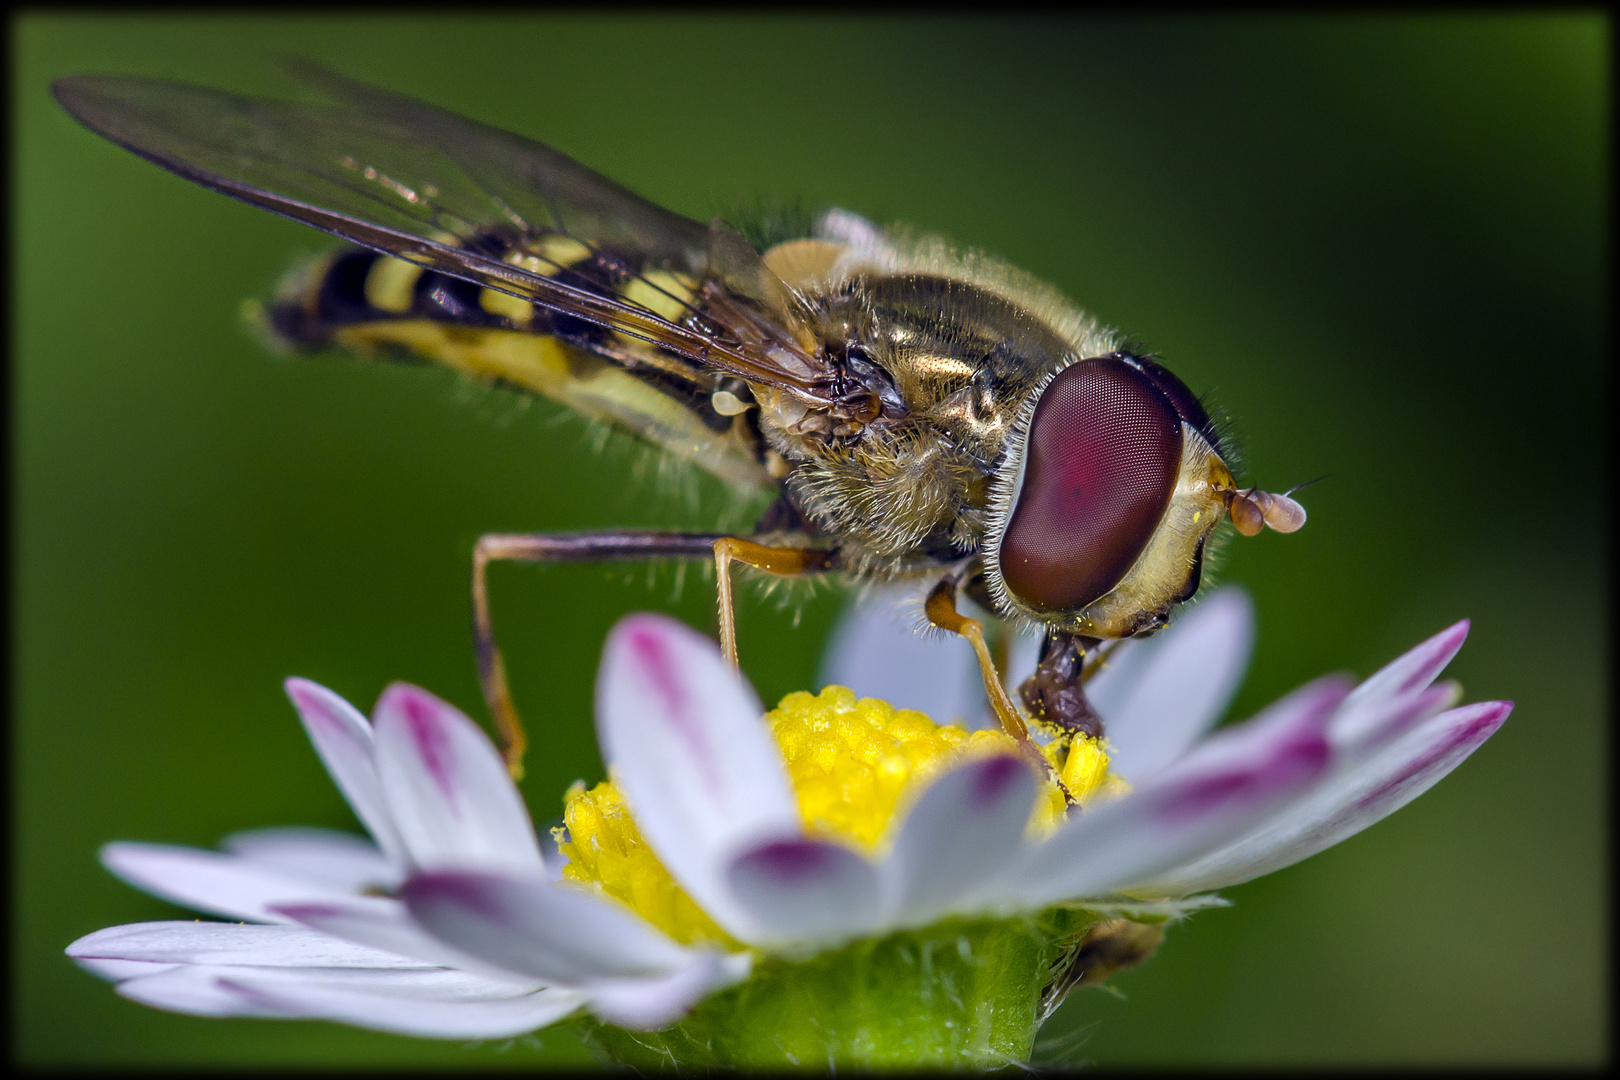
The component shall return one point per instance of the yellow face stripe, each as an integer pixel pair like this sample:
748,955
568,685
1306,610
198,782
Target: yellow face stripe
391,283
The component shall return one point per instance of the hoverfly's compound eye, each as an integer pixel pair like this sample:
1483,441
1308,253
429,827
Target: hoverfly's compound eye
1101,460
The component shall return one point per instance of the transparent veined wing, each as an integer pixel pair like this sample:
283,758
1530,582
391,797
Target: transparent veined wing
423,184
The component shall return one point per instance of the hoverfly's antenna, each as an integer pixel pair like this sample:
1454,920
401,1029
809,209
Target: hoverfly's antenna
1306,484
1253,510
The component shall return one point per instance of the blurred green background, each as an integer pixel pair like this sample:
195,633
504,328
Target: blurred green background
1379,243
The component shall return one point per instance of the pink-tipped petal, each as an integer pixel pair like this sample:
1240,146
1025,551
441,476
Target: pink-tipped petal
1214,793
383,923
208,881
550,932
961,831
1414,669
878,650
447,789
684,738
342,860
650,1004
213,943
343,739
1363,725
1346,802
801,892
1160,695
1302,717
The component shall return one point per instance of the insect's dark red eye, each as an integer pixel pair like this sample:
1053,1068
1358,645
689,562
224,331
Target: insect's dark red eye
1104,448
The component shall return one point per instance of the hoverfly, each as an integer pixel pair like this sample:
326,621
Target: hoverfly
917,412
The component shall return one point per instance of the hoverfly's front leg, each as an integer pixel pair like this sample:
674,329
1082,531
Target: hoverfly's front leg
941,611
1055,694
539,547
781,561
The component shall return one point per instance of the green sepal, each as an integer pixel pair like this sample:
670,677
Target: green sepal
958,994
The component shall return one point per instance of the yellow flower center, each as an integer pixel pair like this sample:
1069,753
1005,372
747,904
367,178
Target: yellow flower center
852,764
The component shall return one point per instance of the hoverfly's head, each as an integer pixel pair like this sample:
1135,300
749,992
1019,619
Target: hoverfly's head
1112,487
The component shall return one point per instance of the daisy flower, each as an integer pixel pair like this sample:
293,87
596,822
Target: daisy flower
842,883
328,936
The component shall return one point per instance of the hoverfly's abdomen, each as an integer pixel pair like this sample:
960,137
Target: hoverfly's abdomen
358,286
380,306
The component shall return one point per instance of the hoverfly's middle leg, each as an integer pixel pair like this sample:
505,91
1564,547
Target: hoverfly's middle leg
541,547
940,608
941,611
781,561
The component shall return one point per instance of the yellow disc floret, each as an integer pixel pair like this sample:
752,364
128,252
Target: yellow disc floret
605,850
852,762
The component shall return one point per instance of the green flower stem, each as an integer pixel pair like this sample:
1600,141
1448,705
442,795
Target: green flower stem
959,994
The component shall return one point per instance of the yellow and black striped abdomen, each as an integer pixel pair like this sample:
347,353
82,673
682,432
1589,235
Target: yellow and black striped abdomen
379,306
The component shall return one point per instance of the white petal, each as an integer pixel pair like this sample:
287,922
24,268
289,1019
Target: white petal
1365,713
195,991
531,927
961,831
212,882
683,736
344,861
1415,668
1158,696
434,1003
384,923
877,650
805,892
116,970
1363,726
447,789
439,1004
650,1004
343,739
1227,783
1023,654
1347,802
175,942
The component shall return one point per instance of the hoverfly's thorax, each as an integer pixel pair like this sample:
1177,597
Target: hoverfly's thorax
955,360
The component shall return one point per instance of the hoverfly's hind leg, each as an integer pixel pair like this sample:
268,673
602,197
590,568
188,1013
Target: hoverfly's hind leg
941,611
540,547
781,561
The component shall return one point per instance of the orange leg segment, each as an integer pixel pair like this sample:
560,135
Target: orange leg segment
543,547
783,562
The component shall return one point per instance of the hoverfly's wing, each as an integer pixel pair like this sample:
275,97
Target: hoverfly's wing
506,180
424,185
